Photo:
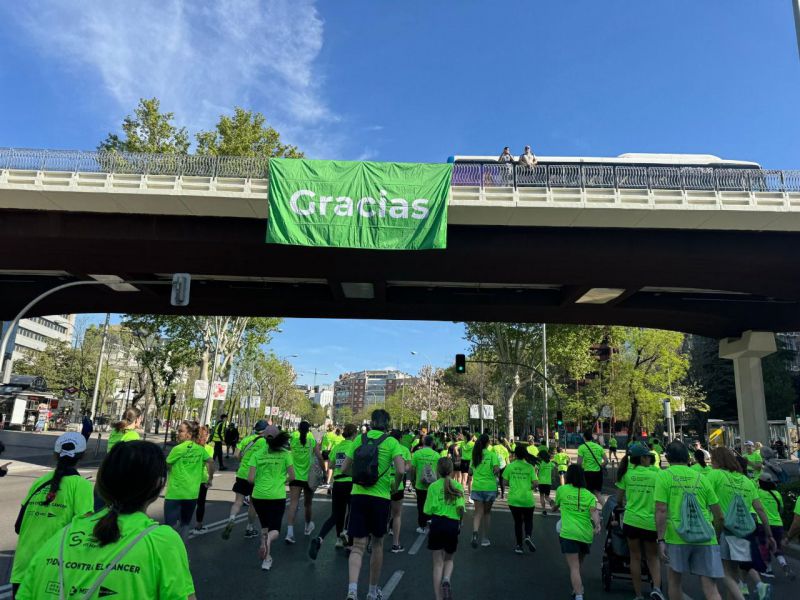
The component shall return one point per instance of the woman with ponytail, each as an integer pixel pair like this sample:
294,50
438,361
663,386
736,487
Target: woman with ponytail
124,430
303,447
445,505
138,558
52,501
484,470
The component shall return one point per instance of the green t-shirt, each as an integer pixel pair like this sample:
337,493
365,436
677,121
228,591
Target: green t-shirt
562,460
754,462
246,447
639,484
727,484
406,440
271,469
420,458
41,521
466,450
209,448
533,450
613,443
156,567
544,471
186,463
337,457
387,451
115,437
670,486
657,448
592,454
329,439
701,469
773,506
483,477
502,453
406,457
301,455
797,507
576,506
520,475
435,504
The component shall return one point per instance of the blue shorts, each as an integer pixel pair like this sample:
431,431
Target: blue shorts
574,547
697,560
483,496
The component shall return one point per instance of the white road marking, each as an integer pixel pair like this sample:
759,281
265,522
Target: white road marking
417,544
391,584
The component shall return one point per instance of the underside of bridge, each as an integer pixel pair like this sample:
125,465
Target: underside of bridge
714,283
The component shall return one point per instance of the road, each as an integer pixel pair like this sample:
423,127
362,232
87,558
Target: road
222,568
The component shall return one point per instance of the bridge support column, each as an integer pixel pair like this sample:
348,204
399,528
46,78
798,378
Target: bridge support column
746,353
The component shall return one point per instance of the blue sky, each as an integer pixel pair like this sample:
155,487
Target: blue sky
412,81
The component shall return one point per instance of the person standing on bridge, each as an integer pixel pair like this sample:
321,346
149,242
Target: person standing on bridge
52,502
152,560
527,158
444,502
580,522
368,461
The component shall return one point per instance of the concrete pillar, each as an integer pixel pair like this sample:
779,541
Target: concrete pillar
746,353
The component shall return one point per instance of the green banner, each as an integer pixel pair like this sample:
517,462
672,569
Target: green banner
345,204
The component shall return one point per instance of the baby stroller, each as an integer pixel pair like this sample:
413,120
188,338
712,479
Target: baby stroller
616,557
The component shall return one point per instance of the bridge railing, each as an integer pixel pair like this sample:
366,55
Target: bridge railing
485,175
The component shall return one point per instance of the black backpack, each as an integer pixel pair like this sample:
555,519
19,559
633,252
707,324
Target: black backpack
365,461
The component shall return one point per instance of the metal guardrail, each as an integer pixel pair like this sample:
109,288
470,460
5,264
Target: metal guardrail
485,175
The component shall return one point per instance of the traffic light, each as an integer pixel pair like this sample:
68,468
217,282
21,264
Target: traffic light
559,419
461,363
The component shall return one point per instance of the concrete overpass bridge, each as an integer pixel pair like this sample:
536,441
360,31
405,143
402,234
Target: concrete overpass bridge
713,252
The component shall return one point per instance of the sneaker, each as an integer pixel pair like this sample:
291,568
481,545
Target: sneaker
309,528
200,530
289,539
397,549
531,546
226,533
250,533
343,538
313,548
485,543
764,591
474,540
422,530
768,574
266,564
246,501
518,550
378,595
447,593
339,543
351,596
657,594
470,500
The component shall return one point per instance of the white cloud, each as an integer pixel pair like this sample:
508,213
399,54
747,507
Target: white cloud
200,59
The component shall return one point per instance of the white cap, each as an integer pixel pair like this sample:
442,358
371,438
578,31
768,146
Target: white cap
74,438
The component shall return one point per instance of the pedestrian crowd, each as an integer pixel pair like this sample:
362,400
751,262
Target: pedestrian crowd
715,515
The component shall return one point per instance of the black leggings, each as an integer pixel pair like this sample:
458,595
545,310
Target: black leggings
422,518
340,504
522,515
200,511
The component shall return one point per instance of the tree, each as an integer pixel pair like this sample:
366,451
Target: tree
56,364
148,130
244,134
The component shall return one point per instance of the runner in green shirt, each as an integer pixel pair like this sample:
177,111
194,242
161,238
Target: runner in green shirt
370,505
592,457
754,459
521,477
125,429
304,449
499,448
445,505
423,471
397,496
340,495
580,521
544,472
636,482
484,471
269,467
152,557
200,512
185,463
242,488
700,465
613,444
329,440
467,449
52,501
794,530
562,461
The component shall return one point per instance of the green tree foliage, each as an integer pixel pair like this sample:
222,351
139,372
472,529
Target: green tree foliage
57,364
246,133
148,130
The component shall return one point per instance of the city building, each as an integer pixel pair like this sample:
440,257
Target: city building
360,389
791,341
324,396
32,335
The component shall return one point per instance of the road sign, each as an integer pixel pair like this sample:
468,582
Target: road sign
200,391
250,402
219,389
475,412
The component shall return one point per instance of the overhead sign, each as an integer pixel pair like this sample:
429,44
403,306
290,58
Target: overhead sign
348,204
219,389
475,412
200,391
250,402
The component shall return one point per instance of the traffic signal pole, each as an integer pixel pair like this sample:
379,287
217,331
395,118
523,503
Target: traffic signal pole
546,418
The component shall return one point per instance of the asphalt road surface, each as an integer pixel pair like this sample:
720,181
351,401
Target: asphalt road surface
231,569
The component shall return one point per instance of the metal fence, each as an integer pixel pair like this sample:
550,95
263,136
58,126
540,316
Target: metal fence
464,174
489,175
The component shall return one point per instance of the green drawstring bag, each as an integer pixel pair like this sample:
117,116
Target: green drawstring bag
738,519
693,528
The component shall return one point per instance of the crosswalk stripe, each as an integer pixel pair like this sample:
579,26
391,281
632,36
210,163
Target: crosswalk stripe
392,584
